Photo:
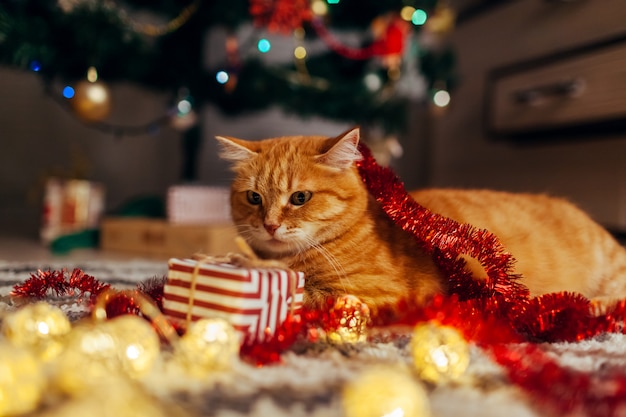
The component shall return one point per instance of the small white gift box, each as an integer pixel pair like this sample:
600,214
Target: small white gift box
195,204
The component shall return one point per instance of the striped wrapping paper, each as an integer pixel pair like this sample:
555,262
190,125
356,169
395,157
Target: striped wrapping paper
255,301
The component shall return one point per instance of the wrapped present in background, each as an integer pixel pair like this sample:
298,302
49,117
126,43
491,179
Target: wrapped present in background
195,204
254,300
70,206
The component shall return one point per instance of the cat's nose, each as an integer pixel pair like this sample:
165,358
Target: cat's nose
271,228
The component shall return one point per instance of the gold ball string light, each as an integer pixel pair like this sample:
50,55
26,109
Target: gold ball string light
351,317
125,346
384,390
440,353
39,327
208,344
106,349
22,380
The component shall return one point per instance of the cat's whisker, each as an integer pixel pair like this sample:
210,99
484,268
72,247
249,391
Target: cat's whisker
246,231
331,259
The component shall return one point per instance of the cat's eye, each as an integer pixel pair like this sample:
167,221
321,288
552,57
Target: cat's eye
300,197
254,198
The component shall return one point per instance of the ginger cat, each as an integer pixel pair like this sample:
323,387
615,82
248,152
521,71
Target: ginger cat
301,200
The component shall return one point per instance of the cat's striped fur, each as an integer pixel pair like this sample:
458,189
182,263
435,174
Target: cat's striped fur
301,200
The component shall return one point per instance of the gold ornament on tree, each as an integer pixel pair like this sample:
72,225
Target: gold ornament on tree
440,353
92,98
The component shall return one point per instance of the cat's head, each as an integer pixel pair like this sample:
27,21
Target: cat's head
293,193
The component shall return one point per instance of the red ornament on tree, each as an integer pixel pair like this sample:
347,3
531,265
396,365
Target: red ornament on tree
282,16
390,33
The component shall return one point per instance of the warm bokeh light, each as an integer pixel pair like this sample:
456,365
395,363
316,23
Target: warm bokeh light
300,52
441,98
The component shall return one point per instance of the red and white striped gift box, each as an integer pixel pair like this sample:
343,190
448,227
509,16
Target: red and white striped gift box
255,301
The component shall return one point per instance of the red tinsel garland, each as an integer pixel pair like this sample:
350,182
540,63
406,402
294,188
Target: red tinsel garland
445,238
77,283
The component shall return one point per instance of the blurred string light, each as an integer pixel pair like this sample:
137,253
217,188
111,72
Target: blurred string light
183,116
299,52
441,98
407,13
183,106
35,66
319,8
222,77
416,16
419,17
184,102
92,74
68,92
264,45
373,82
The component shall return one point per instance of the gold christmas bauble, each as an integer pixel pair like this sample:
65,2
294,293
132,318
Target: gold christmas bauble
384,390
95,352
440,353
22,380
138,344
39,327
208,344
352,317
91,101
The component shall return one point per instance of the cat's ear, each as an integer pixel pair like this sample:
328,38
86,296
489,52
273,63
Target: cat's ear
234,150
343,152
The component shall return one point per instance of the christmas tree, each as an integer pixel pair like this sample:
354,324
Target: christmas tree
360,61
356,61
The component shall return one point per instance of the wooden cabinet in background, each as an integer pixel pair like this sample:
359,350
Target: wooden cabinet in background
512,54
573,92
